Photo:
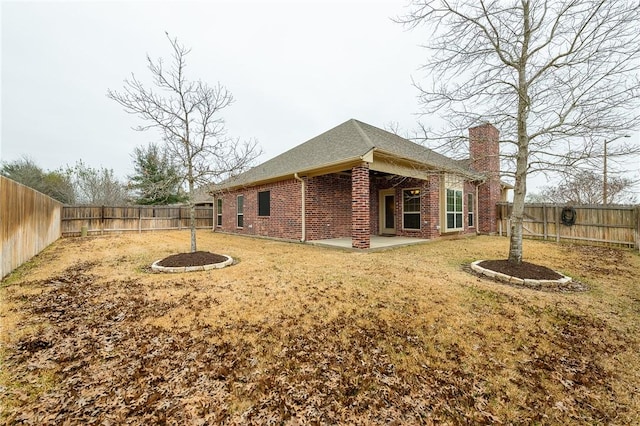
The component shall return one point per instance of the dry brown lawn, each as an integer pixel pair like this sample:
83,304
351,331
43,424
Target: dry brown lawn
297,334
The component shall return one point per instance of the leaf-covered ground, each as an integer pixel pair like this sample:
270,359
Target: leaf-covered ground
297,334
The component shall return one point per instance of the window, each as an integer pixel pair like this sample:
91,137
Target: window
454,209
470,207
240,211
219,212
264,203
411,208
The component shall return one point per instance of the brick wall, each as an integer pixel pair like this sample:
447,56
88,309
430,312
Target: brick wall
429,205
284,220
378,184
360,212
484,149
328,205
375,186
329,202
470,188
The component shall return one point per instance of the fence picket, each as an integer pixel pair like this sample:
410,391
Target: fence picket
29,222
129,219
610,224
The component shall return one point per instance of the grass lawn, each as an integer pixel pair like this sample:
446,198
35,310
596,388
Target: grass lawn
298,334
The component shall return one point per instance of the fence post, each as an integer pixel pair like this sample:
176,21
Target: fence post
139,220
555,212
637,227
544,222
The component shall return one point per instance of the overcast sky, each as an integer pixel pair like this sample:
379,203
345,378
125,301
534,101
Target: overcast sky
296,69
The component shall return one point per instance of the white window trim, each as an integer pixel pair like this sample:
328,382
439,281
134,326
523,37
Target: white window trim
455,183
419,212
219,203
238,213
454,212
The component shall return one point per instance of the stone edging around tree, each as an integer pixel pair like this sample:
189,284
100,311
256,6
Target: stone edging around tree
180,269
539,284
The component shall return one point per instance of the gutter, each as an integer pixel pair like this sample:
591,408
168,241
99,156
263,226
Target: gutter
302,212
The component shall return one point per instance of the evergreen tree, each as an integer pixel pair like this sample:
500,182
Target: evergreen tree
156,179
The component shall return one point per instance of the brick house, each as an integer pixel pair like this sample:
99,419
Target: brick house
357,180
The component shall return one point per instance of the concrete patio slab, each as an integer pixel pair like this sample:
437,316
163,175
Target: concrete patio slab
377,242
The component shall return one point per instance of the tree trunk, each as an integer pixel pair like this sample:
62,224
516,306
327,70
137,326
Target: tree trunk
520,190
517,216
192,209
192,225
520,187
522,159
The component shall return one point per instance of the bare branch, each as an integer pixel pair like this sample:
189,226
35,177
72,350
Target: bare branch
555,77
187,115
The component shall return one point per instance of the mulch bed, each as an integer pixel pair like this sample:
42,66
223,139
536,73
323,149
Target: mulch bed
197,258
524,270
527,271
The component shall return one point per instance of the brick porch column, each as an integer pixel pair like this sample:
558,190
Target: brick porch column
360,215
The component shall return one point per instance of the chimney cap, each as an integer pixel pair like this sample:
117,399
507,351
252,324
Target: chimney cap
485,124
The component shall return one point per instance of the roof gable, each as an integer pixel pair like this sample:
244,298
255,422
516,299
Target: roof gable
349,141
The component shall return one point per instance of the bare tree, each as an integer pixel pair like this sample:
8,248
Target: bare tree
555,76
56,184
98,187
187,115
585,187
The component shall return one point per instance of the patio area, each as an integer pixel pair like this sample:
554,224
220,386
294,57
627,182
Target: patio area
378,242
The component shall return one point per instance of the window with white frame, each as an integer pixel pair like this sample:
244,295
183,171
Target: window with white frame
240,211
454,209
411,209
219,212
453,203
470,209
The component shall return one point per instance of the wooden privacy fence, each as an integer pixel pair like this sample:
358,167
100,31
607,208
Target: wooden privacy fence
611,224
29,222
104,219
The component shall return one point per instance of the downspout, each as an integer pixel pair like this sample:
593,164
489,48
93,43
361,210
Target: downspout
476,214
302,212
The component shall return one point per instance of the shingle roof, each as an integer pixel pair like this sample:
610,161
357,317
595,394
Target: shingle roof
348,141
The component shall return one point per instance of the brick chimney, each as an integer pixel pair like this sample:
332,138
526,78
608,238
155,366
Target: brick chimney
484,150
